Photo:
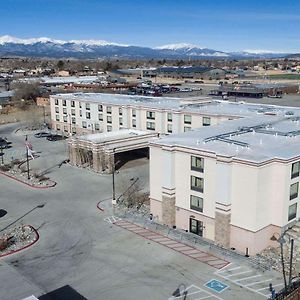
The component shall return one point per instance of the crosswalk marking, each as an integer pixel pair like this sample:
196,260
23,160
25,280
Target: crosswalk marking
112,219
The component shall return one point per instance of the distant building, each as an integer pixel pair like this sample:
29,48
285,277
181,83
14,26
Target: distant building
255,90
63,73
191,72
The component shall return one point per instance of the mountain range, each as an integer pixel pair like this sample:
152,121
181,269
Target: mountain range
52,48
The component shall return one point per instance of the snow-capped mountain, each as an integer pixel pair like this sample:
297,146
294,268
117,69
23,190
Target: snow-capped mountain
47,47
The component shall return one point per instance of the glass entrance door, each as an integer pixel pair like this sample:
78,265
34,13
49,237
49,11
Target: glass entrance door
196,227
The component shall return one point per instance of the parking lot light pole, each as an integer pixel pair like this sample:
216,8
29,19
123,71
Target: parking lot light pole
113,179
27,158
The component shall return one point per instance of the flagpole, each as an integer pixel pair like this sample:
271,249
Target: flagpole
27,158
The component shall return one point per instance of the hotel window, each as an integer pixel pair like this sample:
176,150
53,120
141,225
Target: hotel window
109,119
64,103
133,123
65,119
87,106
206,121
150,115
150,125
197,163
83,124
58,127
73,112
100,117
134,113
74,130
57,118
72,103
64,111
80,106
56,101
169,117
88,115
120,121
80,113
57,110
187,119
109,128
292,212
196,203
169,128
197,184
73,120
295,169
65,128
187,128
294,190
100,107
97,127
120,111
108,109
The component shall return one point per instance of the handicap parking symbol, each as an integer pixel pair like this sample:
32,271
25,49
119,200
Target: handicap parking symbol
216,285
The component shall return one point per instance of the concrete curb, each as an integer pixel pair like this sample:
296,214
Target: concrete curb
37,237
100,208
28,184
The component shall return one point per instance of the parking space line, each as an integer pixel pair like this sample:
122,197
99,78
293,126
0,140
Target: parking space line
246,278
267,287
257,282
235,274
232,269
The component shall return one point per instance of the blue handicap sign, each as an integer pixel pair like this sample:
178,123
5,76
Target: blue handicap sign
216,285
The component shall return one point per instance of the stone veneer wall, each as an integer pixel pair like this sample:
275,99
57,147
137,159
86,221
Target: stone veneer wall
222,229
168,211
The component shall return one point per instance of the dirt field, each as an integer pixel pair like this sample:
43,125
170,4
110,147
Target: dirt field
33,114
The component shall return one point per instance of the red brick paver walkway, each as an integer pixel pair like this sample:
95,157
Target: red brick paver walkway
189,251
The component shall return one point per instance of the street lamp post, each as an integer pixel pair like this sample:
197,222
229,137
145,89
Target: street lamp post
27,157
113,179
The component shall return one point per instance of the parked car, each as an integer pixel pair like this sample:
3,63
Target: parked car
55,137
42,134
4,144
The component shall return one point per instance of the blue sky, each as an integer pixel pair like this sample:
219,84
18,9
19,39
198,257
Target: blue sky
222,25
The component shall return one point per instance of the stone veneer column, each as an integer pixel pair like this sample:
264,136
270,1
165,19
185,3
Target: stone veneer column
222,229
109,162
168,210
96,161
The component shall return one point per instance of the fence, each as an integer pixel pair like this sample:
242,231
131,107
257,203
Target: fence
292,293
189,238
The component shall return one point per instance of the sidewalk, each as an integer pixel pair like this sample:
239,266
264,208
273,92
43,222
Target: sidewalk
177,246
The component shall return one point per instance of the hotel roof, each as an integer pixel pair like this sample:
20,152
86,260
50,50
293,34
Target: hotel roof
203,105
256,139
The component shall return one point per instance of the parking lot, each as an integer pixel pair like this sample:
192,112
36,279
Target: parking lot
80,251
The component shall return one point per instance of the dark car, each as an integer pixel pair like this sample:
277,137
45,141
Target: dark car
4,144
42,134
55,137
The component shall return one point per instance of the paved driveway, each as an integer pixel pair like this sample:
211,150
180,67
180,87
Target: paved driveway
79,251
